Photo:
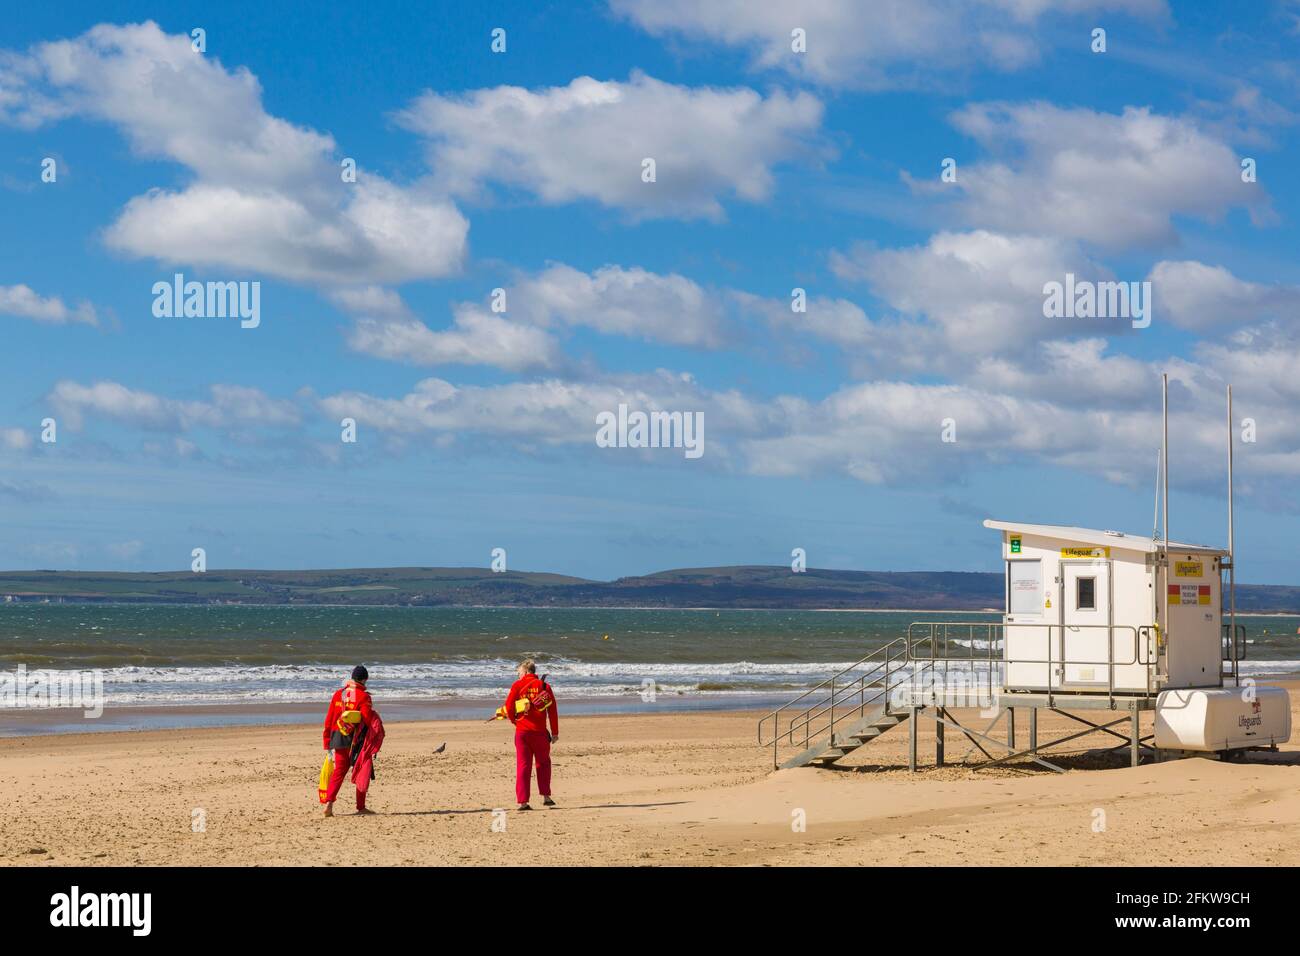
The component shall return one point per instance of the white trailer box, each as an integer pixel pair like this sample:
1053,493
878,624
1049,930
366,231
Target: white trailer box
1095,612
1226,719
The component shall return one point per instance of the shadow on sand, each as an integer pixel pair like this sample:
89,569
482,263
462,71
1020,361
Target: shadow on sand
591,806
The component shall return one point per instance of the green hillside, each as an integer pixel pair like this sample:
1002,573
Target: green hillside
750,586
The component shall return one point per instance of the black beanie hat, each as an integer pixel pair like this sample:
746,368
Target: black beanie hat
360,673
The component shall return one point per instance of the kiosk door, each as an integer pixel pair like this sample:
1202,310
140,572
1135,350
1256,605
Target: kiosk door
1085,623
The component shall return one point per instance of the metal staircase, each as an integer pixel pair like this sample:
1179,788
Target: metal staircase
844,712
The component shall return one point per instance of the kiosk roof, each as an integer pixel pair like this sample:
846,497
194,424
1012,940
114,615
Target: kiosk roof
1113,539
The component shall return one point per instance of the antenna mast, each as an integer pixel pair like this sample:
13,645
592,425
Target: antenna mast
1161,598
1232,556
1155,516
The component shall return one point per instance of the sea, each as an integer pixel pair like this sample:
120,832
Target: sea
282,662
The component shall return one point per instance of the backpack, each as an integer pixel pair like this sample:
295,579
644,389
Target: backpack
538,696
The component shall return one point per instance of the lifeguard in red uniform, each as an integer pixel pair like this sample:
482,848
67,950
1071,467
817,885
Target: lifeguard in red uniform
530,706
350,708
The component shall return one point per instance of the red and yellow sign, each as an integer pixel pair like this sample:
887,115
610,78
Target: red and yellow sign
1183,594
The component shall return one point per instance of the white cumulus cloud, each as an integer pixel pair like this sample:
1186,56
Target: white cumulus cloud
1114,180
476,337
266,195
588,141
228,405
883,43
981,291
1200,297
631,302
23,302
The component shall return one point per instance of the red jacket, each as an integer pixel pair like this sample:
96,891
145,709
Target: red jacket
542,706
359,698
364,766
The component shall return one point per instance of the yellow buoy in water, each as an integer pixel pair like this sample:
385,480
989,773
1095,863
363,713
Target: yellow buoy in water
605,638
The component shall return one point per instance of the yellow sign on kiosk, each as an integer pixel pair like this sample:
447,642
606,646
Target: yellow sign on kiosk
1085,552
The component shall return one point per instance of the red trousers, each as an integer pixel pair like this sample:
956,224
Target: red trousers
530,745
342,760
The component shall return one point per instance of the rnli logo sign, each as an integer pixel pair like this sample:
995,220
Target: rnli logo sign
1255,720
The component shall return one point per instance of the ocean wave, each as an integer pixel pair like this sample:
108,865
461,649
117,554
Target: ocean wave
290,695
470,679
1268,667
489,679
501,670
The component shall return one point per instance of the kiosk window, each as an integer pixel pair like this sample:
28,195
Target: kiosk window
1024,587
1085,594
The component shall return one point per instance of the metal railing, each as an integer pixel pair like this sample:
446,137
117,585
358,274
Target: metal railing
1228,656
866,683
905,672
937,636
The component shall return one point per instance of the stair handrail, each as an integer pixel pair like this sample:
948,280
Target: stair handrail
882,658
827,704
826,732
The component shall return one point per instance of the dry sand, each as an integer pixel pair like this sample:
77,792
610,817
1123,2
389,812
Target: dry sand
676,788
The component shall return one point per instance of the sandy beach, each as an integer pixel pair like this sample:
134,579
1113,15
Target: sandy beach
673,788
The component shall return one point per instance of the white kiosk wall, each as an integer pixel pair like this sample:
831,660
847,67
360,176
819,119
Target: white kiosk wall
1086,599
1192,614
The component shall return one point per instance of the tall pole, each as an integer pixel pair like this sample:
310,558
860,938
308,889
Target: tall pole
1232,557
1164,454
1155,508
1156,597
1164,446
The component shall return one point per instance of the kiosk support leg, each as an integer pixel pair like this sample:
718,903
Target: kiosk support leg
911,739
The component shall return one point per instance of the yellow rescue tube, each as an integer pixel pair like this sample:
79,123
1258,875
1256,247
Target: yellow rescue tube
326,771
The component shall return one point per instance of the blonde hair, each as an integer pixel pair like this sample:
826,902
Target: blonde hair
529,666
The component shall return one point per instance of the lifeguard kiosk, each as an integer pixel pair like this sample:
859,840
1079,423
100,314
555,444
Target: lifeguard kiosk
1091,610
1108,620
1093,621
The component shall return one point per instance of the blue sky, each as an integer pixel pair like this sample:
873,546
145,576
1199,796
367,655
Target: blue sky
522,170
